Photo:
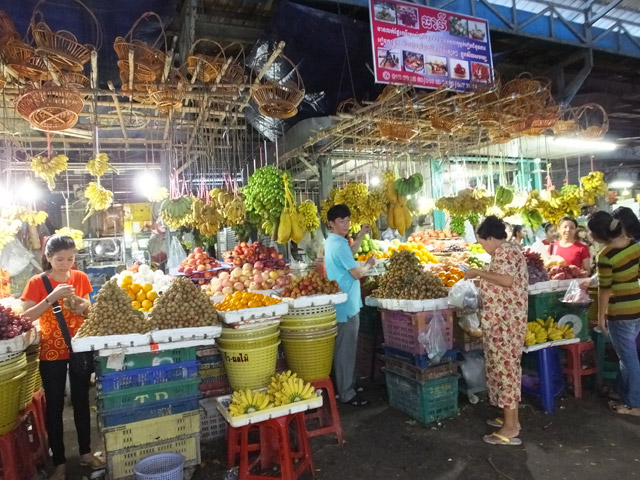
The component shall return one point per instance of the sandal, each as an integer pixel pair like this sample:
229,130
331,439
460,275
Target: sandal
495,422
623,409
96,463
358,401
58,475
497,439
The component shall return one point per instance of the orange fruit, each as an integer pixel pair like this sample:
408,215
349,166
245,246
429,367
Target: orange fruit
147,287
152,295
147,304
136,305
450,283
132,295
136,287
142,296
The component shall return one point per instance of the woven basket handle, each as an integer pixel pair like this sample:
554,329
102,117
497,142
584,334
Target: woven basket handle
299,81
237,57
588,107
206,40
36,12
129,36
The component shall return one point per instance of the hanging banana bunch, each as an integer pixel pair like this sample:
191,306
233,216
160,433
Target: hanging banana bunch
206,218
48,168
158,194
99,198
177,212
289,226
100,165
75,234
308,215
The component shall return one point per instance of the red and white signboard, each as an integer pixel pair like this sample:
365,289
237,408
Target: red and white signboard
426,47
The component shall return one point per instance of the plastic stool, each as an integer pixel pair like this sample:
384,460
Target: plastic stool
274,446
327,415
550,381
606,370
14,464
37,434
234,441
573,370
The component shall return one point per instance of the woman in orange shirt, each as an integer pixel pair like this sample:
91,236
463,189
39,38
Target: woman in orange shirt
71,287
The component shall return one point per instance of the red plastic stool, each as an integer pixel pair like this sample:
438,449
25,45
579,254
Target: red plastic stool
327,415
275,445
573,369
14,464
37,434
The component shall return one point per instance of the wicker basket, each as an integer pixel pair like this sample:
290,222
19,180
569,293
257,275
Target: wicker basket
349,105
497,136
140,92
149,59
23,60
210,63
592,120
50,108
62,47
169,96
488,118
7,28
447,125
397,131
566,124
515,126
279,98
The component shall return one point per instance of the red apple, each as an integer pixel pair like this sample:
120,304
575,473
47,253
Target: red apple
201,268
197,250
188,270
274,255
181,269
208,274
237,261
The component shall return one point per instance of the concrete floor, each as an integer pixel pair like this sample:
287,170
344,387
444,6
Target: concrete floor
581,441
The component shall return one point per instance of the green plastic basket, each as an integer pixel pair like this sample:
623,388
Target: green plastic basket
149,359
250,367
133,397
310,358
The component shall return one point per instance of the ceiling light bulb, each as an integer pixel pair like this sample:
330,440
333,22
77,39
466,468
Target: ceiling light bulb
375,181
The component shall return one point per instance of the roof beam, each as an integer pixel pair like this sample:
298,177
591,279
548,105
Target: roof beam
601,13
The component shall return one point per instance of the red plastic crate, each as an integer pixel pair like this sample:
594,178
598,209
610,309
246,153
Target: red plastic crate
401,329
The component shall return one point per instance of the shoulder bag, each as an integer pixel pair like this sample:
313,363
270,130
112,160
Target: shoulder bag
81,362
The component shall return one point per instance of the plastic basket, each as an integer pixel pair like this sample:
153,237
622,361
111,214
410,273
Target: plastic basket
248,333
310,313
30,380
328,331
149,359
308,326
420,361
427,402
310,359
121,464
148,394
14,364
401,330
255,342
147,376
10,402
213,425
151,431
164,466
156,410
421,374
250,367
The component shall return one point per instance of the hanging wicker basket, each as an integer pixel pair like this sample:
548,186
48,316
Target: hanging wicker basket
397,131
279,98
149,59
7,28
234,76
50,108
140,92
497,136
349,105
446,124
566,124
593,121
62,47
211,63
23,60
169,96
488,118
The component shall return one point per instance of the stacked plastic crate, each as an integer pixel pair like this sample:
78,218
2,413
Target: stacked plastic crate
213,384
148,404
426,391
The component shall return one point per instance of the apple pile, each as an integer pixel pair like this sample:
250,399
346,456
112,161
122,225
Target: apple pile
311,284
11,325
247,277
198,265
256,254
566,272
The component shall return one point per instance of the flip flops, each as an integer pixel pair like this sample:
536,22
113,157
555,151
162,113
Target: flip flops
358,401
495,422
497,439
96,463
623,409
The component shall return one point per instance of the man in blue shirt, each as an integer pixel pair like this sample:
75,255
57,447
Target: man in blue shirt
341,267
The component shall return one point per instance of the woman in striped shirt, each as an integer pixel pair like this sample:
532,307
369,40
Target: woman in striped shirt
618,265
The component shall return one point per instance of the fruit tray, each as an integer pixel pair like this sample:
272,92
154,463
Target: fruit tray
246,314
551,286
241,420
88,344
315,300
18,343
408,305
182,334
555,343
156,347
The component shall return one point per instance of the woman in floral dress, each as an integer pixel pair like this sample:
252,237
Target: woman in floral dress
503,285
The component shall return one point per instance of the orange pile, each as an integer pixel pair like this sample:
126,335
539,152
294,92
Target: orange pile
243,299
451,276
142,296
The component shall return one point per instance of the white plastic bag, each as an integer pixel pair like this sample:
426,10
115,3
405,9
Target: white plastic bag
471,324
465,296
473,371
577,292
176,253
14,258
433,340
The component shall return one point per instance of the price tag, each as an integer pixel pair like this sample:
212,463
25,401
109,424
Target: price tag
116,360
154,347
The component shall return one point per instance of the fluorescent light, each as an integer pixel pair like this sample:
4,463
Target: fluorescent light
375,181
621,184
625,192
598,145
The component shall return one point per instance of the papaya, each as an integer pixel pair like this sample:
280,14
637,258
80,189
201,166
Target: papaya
398,216
408,220
391,217
296,229
284,227
392,195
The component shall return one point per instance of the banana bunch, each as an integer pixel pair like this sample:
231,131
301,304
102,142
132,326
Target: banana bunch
503,197
75,234
100,165
235,212
308,215
409,186
388,179
99,198
554,204
289,225
547,330
248,401
593,186
158,194
33,218
287,388
206,218
8,230
176,213
466,202
531,218
48,168
538,331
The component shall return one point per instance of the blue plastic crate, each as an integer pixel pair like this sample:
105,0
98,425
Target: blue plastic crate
147,376
421,361
124,415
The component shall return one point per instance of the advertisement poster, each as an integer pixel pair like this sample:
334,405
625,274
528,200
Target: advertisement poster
426,47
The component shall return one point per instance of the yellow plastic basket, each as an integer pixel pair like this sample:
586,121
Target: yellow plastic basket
249,342
311,358
30,380
310,327
309,312
259,331
13,365
250,367
10,402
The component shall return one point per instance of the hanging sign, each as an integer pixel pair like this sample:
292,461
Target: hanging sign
426,47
